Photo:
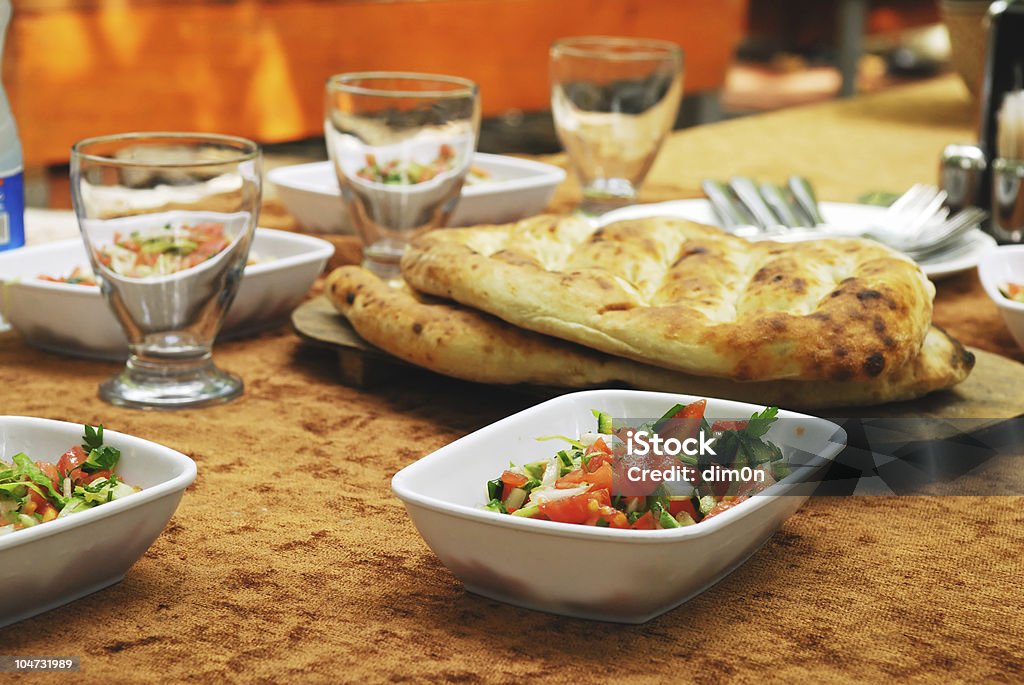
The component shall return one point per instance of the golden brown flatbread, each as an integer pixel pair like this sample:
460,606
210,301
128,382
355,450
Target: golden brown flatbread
687,296
464,343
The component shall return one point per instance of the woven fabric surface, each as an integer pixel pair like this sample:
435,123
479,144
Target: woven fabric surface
290,561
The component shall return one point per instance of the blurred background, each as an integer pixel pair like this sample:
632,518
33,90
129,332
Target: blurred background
256,68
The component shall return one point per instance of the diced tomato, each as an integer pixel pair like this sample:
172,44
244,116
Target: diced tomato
69,464
724,505
514,479
645,522
596,459
571,479
575,509
685,423
677,505
1014,289
599,446
511,480
601,479
719,426
610,515
51,472
694,410
71,460
47,512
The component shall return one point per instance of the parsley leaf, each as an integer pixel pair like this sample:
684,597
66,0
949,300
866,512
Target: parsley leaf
760,423
93,438
105,457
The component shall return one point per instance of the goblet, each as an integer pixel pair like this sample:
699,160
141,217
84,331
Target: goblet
167,220
614,100
401,144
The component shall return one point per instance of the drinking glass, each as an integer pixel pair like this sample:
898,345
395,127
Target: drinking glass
401,144
167,219
614,100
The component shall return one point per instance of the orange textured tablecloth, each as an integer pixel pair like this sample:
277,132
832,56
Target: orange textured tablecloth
290,561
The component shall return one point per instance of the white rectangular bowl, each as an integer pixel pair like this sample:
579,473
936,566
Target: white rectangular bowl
75,319
54,563
997,268
626,576
520,188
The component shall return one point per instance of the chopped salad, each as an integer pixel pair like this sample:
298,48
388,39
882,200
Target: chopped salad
36,492
1014,291
396,172
575,485
165,251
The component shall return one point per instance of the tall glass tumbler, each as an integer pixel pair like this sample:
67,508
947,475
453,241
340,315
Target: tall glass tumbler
614,100
167,220
401,144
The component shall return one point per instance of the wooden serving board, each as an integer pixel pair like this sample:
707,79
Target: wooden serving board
990,395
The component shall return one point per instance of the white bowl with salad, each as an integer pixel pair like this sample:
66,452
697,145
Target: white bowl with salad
498,189
48,293
83,502
1002,275
540,510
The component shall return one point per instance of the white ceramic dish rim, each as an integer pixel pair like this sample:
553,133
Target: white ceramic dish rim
984,243
405,492
318,249
544,174
988,262
154,492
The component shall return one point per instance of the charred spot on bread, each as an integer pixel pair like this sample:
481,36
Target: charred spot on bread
417,328
616,307
697,250
868,294
840,351
350,297
874,364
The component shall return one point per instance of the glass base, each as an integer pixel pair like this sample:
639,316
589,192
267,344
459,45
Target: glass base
145,385
384,259
604,195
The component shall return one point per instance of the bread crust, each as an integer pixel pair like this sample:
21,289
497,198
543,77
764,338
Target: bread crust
687,296
457,341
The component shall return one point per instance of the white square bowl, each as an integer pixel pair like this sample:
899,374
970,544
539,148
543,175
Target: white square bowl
997,268
51,564
519,188
626,576
75,319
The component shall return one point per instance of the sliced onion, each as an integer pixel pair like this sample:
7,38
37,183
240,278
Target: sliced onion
551,471
544,496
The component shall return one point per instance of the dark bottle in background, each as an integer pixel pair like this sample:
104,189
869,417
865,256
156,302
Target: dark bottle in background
1004,69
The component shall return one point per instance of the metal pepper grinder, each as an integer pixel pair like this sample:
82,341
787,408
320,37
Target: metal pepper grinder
1004,66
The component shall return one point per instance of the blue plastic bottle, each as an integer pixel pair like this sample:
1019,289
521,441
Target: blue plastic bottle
12,189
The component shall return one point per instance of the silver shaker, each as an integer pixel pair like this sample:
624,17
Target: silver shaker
960,175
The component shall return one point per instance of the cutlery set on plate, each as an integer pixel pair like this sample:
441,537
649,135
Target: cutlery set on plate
918,223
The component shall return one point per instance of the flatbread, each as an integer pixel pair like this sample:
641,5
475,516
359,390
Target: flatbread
689,297
457,341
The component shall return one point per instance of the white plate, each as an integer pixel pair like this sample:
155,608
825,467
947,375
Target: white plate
628,576
519,188
55,563
849,220
75,319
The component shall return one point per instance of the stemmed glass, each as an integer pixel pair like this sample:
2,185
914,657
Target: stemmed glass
614,100
401,144
167,220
